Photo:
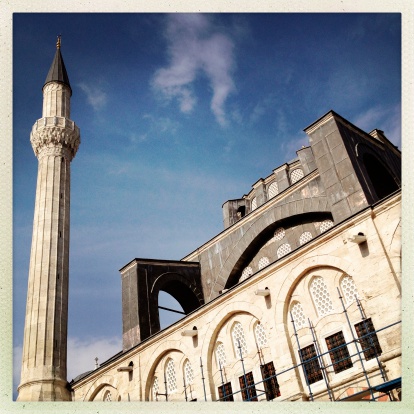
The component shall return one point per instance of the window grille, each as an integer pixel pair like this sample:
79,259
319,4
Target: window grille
305,237
368,339
247,271
188,372
238,338
260,334
225,392
296,175
254,203
349,289
283,250
220,354
263,262
338,351
321,297
273,190
298,315
325,225
248,389
271,385
279,233
311,367
155,388
108,396
171,378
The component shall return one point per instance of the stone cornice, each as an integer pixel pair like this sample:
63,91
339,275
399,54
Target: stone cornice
55,136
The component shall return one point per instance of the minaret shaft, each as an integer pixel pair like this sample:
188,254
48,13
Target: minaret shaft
55,140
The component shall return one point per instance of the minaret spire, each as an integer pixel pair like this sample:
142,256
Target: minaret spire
55,139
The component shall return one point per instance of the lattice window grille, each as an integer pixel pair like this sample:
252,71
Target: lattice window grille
305,237
298,315
279,233
254,203
171,378
321,296
220,354
239,339
273,190
155,388
349,289
263,262
188,372
260,334
283,250
296,175
325,225
108,396
247,271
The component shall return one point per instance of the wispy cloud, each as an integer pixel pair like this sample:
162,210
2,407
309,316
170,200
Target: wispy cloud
196,47
95,96
82,353
387,119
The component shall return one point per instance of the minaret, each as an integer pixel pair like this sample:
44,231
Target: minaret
55,140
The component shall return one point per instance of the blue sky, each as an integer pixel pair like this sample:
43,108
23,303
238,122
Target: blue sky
179,113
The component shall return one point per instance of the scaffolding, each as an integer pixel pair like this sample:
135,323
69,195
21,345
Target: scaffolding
365,344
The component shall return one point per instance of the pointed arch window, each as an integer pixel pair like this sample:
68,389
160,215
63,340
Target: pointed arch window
321,297
188,372
107,396
239,340
260,334
298,315
349,289
170,376
220,354
155,388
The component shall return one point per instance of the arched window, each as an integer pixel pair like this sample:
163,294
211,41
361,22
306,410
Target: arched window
296,175
247,271
220,354
254,203
170,376
155,388
263,262
349,289
320,296
260,334
107,396
273,190
279,233
305,237
239,340
325,225
298,315
188,372
283,250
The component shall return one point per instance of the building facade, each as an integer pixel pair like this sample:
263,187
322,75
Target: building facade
297,299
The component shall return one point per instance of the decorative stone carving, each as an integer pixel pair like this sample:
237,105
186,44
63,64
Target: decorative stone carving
52,139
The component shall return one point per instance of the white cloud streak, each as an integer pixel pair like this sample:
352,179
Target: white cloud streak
195,47
95,96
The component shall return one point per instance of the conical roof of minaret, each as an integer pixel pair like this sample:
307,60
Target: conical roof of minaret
57,71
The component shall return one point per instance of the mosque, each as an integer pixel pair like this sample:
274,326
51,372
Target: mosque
297,299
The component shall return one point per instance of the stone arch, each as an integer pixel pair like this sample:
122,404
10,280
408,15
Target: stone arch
106,380
187,294
259,233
